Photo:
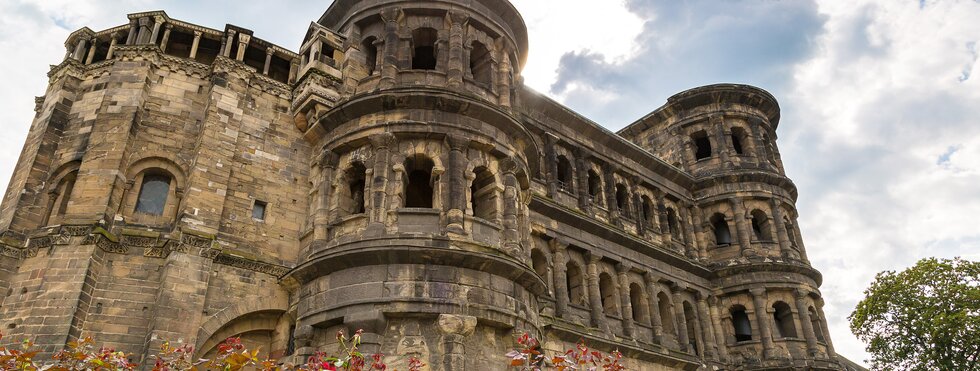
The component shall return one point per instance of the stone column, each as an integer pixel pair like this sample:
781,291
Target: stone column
682,336
629,328
322,218
166,37
157,23
389,67
457,182
724,148
808,332
268,60
196,44
560,251
690,150
79,53
455,329
112,45
831,353
799,239
551,157
759,300
742,229
133,29
666,235
582,172
701,231
781,236
719,330
595,298
229,40
91,51
641,221
655,319
378,185
707,328
293,70
457,23
143,37
689,241
505,82
512,197
609,181
243,40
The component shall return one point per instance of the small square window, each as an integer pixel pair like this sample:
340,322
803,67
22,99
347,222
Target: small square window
258,211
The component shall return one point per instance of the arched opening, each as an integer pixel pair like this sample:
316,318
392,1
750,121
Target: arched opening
622,200
739,140
62,196
702,145
539,263
648,210
723,236
673,225
370,54
355,186
740,323
595,187
691,321
481,64
564,173
637,302
818,328
576,283
761,226
783,316
607,293
424,48
483,194
418,189
666,315
154,192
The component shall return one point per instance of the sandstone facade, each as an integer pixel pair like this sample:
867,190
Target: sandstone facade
395,175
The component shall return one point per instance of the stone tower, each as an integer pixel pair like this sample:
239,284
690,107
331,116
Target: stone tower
187,183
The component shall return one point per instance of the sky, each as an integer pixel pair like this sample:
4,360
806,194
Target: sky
880,124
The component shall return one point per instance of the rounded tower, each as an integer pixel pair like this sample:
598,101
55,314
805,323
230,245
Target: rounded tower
421,180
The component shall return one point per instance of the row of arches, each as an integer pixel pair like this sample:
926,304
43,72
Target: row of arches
739,141
762,225
425,55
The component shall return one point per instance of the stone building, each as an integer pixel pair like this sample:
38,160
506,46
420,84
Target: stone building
395,175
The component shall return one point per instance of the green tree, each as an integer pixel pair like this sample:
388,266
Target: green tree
924,318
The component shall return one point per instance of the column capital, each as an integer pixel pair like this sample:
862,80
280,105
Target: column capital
328,159
651,278
623,268
509,165
800,294
168,26
758,292
558,245
244,38
231,32
713,300
677,288
158,19
457,17
593,257
198,33
392,14
457,143
383,140
270,51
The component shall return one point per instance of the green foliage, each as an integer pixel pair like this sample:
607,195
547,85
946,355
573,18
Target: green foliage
924,318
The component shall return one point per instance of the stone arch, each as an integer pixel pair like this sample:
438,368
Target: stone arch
351,188
209,331
575,277
370,50
761,226
741,324
693,328
608,294
481,63
425,55
540,263
702,145
566,174
638,302
664,306
722,232
783,318
158,183
58,196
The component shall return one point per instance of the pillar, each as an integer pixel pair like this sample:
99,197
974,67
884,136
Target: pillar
700,231
629,328
328,166
655,319
268,60
293,70
682,336
157,23
195,44
511,199
721,139
378,185
808,334
79,53
719,330
826,329
243,40
785,246
228,43
690,155
742,228
609,181
143,37
666,235
707,328
504,82
759,300
131,37
551,141
457,183
582,173
595,299
91,51
455,329
166,37
113,41
457,23
689,241
799,239
560,251
389,68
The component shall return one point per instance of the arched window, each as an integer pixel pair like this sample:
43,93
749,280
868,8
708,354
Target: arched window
702,145
638,301
784,320
622,200
418,189
564,173
817,324
483,194
480,64
153,194
691,321
576,284
760,226
741,324
723,236
739,140
666,315
58,205
672,223
540,263
355,185
424,48
595,187
607,293
370,54
648,210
